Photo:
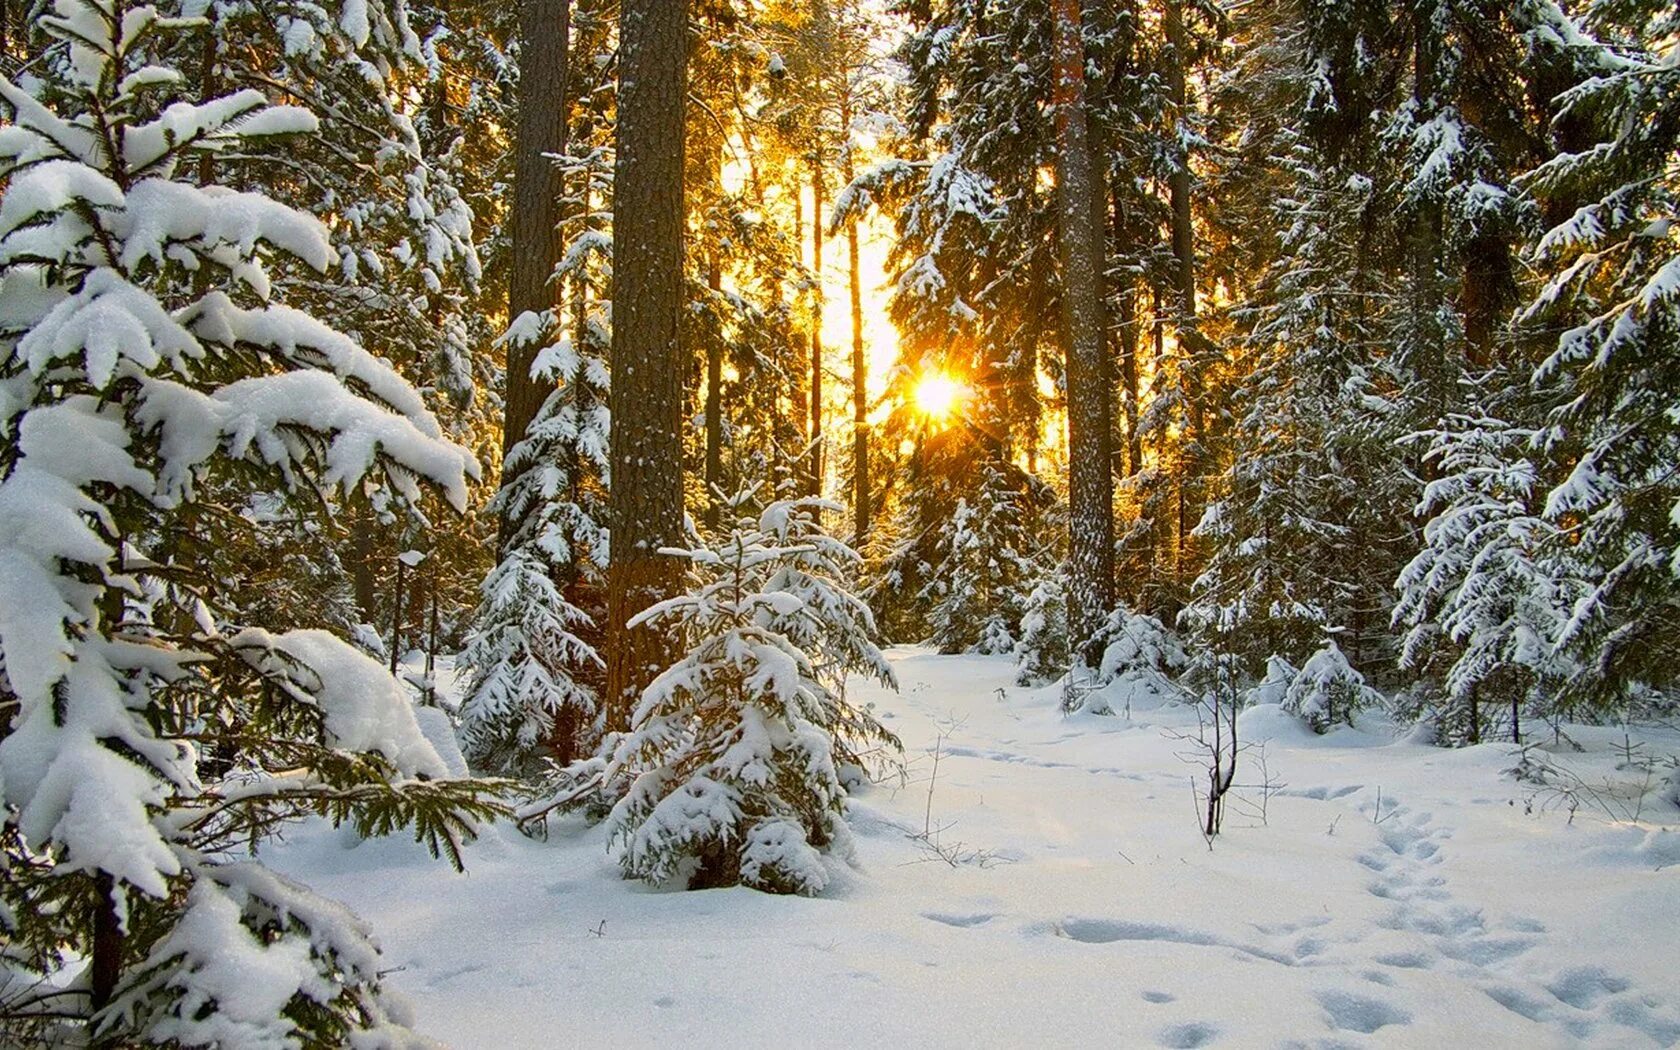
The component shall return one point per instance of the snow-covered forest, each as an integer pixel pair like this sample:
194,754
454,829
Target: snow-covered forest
839,522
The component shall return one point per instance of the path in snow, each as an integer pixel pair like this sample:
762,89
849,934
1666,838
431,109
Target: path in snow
1084,908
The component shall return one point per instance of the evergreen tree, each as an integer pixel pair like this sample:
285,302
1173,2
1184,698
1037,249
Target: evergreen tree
1328,690
1042,654
1612,422
736,749
1494,579
978,587
147,373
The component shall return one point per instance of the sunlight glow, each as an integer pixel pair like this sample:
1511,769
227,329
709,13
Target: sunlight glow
938,395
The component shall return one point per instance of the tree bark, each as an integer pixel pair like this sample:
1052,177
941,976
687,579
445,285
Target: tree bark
1428,359
647,359
1190,345
800,408
714,404
1079,240
541,129
860,367
105,964
816,327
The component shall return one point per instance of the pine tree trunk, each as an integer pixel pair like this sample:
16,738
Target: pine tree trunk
800,408
1428,358
1079,240
647,358
1126,297
541,129
105,963
714,405
1192,349
816,327
860,367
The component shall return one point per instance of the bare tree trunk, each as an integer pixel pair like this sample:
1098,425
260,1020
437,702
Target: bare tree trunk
1126,325
800,409
816,327
1427,359
714,405
647,359
1079,240
1183,234
860,367
105,964
543,28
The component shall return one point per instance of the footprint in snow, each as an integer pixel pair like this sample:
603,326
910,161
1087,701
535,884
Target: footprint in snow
960,921
1187,1036
1358,1013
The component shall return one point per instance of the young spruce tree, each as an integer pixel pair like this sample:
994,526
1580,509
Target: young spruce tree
150,738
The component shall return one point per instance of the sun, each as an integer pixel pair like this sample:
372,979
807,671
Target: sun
937,395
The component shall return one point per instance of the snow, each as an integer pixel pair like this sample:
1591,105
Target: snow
1395,894
364,708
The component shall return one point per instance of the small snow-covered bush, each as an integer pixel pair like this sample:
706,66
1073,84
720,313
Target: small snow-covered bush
1328,690
1042,653
1141,658
1135,643
1274,686
735,750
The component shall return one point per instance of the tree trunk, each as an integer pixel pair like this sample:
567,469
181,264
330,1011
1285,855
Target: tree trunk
1126,326
1427,359
541,129
1192,352
860,367
1079,240
647,359
800,408
816,327
714,405
105,964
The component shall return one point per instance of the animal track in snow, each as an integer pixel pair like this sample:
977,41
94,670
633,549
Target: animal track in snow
1358,1013
1187,1036
1108,931
960,921
1587,1002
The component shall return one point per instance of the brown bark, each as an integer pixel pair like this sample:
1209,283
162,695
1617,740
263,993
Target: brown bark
1428,358
647,359
860,366
800,407
1079,240
816,327
714,405
541,129
1192,350
105,964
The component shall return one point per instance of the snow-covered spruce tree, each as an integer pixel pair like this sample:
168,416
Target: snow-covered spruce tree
1141,660
1488,595
978,589
1612,429
150,738
1298,535
736,749
532,691
1328,690
1274,685
1042,654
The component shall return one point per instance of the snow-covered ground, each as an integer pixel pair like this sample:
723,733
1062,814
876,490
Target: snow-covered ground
1084,908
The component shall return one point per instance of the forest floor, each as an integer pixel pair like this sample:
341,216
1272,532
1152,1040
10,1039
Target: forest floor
1387,894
